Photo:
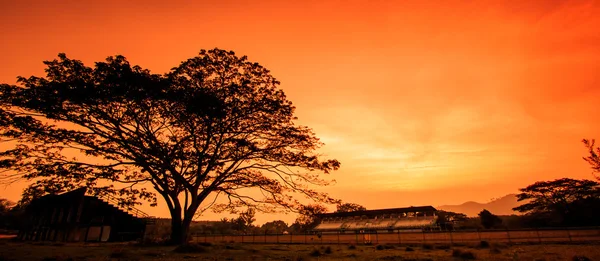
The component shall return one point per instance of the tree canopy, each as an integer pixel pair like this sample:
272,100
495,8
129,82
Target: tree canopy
489,220
216,125
562,202
349,207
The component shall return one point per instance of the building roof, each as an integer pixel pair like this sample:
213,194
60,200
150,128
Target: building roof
378,212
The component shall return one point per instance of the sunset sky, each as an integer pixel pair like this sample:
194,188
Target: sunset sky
423,102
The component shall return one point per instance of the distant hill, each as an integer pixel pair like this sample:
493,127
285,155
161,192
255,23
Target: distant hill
500,206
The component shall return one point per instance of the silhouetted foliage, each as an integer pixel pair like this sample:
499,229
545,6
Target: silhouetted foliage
274,227
217,124
446,219
561,202
594,158
349,207
308,218
489,220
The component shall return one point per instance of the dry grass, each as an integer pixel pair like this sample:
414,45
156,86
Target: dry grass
123,251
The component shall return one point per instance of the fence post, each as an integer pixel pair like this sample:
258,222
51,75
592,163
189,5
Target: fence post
338,234
305,236
451,238
291,237
569,233
356,237
277,238
479,235
376,237
538,235
423,233
508,235
399,239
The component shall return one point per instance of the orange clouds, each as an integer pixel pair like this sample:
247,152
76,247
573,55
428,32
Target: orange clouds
408,95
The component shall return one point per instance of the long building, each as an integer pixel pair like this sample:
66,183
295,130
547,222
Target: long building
369,221
75,216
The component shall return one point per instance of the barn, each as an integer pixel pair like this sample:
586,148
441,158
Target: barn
378,220
75,216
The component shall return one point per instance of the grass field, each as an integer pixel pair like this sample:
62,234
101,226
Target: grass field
10,250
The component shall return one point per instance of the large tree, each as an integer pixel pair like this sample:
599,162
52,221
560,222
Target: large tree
216,125
562,202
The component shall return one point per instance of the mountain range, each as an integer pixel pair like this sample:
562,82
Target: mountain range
499,206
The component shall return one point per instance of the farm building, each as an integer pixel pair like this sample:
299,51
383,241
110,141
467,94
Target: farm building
369,221
75,216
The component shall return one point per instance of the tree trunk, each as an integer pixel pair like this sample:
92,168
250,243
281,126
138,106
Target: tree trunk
180,230
176,230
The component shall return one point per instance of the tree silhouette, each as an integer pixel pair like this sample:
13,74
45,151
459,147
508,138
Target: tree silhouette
446,219
489,220
594,158
308,217
349,207
216,125
562,202
274,227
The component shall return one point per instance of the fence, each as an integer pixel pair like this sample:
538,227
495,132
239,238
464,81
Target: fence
429,237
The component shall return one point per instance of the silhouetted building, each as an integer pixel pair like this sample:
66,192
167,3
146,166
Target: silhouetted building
389,220
74,216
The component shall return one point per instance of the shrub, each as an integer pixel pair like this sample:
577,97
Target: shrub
468,255
484,244
389,246
118,253
428,246
409,249
581,258
328,250
443,247
456,252
379,247
315,253
190,249
351,247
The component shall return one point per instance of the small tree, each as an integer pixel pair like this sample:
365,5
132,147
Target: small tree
489,220
349,207
594,158
447,220
216,125
274,227
308,218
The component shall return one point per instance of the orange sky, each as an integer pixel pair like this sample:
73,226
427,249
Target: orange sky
423,103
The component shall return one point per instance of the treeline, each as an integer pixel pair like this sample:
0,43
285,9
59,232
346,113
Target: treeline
559,203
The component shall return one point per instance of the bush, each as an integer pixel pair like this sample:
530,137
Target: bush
484,244
118,253
409,249
443,247
328,250
315,253
351,247
466,255
190,249
379,247
428,246
58,258
581,258
389,246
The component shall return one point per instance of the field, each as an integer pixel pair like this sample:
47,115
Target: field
570,235
10,250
